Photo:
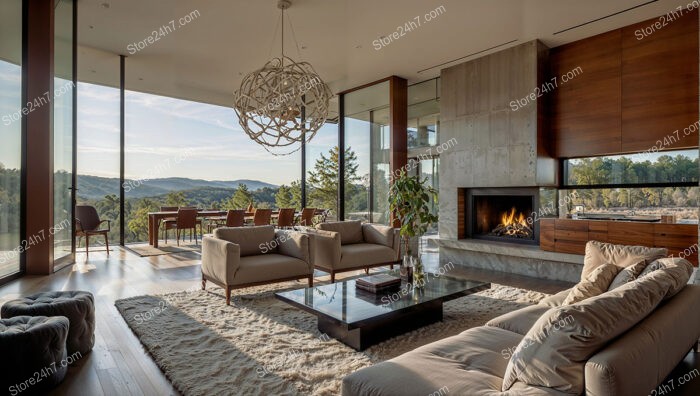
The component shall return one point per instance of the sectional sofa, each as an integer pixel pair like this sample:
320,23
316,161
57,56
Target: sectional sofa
621,341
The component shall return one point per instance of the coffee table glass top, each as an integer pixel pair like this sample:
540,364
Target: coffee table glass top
344,302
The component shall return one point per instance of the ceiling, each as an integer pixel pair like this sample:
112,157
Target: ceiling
205,59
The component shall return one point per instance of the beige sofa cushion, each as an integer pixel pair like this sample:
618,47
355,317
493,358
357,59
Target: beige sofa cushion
679,269
555,350
597,282
628,274
556,299
378,234
599,253
519,321
470,363
272,266
350,231
361,254
252,240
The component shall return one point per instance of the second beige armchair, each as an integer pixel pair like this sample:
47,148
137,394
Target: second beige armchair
350,245
240,257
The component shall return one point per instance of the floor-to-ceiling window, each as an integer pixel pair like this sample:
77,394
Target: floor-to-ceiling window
10,134
63,131
322,170
98,153
183,153
367,137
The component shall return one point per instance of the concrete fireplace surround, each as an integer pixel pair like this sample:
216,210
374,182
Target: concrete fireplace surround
498,145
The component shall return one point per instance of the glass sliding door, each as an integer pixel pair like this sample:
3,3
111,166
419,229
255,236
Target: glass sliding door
64,90
10,135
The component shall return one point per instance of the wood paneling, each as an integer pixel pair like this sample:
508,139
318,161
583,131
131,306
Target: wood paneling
631,93
570,236
660,84
585,116
627,233
547,234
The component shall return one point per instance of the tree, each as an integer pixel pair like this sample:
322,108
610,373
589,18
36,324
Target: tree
138,219
323,179
176,199
283,198
239,200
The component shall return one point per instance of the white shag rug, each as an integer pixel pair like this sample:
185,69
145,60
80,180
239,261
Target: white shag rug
262,346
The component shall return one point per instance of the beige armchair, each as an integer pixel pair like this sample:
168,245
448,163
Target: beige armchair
235,258
350,245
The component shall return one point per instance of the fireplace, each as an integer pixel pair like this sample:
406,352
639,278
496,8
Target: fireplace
502,214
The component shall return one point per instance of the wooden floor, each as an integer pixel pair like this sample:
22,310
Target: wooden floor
119,365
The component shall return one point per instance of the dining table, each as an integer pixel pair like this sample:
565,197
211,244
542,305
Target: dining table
154,219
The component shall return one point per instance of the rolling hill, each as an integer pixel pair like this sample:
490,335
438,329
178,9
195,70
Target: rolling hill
95,187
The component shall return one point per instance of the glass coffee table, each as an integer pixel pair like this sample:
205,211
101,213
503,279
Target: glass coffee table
361,319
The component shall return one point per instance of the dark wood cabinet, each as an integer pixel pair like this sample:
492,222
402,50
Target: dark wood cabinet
570,236
632,94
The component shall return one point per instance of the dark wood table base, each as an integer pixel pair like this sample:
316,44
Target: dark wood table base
362,336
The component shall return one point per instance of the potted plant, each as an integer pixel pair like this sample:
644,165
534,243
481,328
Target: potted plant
409,200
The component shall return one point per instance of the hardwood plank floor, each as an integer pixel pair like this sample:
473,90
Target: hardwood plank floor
119,365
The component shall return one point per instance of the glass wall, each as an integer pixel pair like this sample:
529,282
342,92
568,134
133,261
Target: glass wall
10,134
424,114
366,179
63,130
183,153
322,170
98,153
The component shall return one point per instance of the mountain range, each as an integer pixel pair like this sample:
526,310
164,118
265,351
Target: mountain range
96,187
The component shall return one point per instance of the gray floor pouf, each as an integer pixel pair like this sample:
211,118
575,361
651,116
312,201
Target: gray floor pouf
33,354
77,306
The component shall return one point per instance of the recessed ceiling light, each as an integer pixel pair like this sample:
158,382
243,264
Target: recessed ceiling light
303,47
91,27
140,78
104,5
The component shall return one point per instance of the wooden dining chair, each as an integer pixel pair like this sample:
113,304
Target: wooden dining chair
87,223
285,218
262,217
186,220
167,209
307,217
250,208
234,218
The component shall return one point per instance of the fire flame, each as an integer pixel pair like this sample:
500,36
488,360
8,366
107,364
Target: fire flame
509,219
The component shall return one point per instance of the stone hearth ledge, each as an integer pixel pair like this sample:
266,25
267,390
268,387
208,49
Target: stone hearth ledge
512,258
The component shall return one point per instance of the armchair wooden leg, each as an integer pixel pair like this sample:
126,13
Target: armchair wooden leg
391,266
107,243
228,296
311,281
178,236
332,277
204,284
367,270
87,246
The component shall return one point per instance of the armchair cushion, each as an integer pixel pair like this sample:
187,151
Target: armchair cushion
378,234
350,231
266,267
252,240
293,244
359,254
220,259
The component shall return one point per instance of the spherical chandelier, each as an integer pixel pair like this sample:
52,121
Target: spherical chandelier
283,103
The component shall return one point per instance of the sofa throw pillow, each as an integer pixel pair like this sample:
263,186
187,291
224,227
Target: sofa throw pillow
679,269
595,284
599,253
628,274
554,352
